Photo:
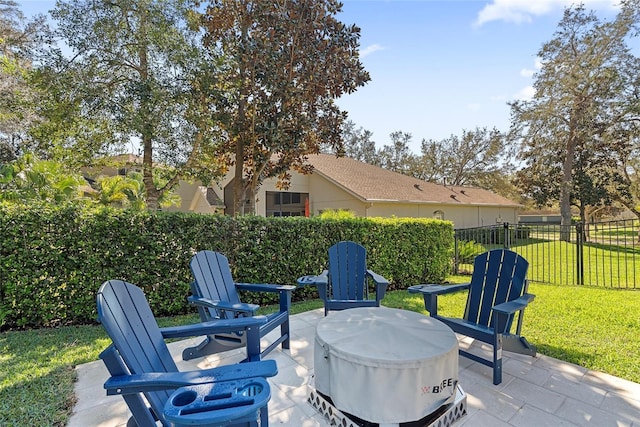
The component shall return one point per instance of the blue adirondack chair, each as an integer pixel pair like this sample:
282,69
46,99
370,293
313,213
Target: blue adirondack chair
497,292
216,296
142,369
346,283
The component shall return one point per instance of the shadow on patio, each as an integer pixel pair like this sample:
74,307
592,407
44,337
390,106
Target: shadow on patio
538,391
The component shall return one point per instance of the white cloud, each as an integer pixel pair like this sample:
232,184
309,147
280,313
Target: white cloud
519,11
525,94
370,49
527,72
474,106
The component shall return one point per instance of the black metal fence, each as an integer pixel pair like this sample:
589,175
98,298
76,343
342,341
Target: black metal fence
598,254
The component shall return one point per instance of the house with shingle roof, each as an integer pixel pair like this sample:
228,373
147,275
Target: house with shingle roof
370,191
364,189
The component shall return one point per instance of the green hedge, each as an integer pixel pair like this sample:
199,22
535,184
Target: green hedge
53,259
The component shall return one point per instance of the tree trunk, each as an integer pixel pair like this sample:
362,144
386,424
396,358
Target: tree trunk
565,187
152,193
242,130
238,180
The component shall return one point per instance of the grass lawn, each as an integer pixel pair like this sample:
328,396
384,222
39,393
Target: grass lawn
592,327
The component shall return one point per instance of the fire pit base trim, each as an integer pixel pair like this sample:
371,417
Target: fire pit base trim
452,413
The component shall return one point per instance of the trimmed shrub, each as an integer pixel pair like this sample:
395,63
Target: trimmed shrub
54,259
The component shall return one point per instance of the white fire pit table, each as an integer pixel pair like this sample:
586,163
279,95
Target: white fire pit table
387,366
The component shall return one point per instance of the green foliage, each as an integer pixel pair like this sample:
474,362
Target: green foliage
19,40
129,192
337,214
29,179
579,128
139,71
280,105
53,259
467,251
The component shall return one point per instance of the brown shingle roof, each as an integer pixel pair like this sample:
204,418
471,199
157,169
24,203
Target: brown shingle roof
372,183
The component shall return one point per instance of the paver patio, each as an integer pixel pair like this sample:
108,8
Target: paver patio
535,392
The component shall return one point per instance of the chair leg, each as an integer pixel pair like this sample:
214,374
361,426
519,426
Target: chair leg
264,416
285,332
497,358
285,303
142,414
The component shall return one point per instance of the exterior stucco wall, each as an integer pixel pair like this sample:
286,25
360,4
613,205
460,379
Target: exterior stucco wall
461,216
191,199
299,184
325,195
478,216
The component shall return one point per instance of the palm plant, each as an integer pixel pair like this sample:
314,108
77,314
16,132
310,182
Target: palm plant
31,179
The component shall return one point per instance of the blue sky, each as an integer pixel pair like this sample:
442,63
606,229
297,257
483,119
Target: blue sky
440,66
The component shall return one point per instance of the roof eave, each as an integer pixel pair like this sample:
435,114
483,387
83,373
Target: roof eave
434,202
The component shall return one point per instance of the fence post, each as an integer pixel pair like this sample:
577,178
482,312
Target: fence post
505,225
579,253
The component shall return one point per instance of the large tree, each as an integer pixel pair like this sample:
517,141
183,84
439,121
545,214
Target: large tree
358,144
289,61
397,156
476,158
19,39
138,74
583,91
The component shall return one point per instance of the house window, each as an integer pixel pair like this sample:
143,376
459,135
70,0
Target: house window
438,215
284,203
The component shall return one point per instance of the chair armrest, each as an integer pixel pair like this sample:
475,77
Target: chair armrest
381,284
213,327
263,287
241,307
154,381
433,289
511,307
284,292
320,279
378,279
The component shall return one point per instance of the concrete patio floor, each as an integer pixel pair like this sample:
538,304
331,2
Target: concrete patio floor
535,392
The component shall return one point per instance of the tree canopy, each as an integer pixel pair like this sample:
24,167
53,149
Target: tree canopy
19,39
138,75
288,62
585,93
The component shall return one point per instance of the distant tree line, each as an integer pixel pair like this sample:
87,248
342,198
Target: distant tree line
208,87
201,88
477,158
576,143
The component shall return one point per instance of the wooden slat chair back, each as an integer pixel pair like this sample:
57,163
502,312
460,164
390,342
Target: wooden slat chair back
212,271
215,294
348,272
498,276
497,293
140,363
126,316
345,284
